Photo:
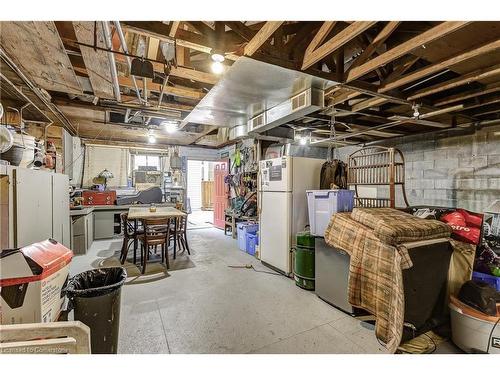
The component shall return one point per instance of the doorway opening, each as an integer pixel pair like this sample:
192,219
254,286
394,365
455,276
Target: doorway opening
200,185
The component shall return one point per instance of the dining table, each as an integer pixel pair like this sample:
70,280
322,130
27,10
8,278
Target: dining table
143,213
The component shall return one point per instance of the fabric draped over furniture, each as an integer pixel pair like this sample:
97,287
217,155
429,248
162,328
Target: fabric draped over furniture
374,238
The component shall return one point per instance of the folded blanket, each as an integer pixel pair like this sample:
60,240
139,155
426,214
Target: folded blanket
378,258
394,227
375,277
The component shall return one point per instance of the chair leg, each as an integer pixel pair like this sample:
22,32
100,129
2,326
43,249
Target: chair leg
123,253
144,258
135,250
162,253
186,241
166,256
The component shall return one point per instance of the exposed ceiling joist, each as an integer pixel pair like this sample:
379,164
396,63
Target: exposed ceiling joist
169,90
37,49
96,61
334,43
441,65
488,89
459,81
402,49
173,29
368,103
261,37
376,43
320,36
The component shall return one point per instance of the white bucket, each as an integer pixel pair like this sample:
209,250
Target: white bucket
472,334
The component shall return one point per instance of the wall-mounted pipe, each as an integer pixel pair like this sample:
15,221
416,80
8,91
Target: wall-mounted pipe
123,43
111,57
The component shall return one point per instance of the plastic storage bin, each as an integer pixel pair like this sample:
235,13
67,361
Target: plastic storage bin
494,281
322,204
243,229
252,240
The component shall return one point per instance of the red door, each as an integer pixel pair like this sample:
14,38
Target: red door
220,197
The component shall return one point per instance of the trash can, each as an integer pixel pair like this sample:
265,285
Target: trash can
95,297
304,261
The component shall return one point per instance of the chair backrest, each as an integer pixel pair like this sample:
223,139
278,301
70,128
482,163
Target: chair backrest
156,229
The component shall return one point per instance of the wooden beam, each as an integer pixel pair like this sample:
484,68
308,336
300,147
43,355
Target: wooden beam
320,36
183,37
401,69
261,36
441,65
181,72
376,43
169,90
36,48
368,103
488,89
337,41
96,61
241,29
341,98
459,81
173,29
402,49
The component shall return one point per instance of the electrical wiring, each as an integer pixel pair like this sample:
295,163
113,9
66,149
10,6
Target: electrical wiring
250,266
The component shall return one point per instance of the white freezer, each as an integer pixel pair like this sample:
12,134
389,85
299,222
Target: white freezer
283,205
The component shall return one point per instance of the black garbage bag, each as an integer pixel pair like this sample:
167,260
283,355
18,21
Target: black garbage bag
480,296
94,296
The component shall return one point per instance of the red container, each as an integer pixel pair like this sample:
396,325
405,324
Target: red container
99,198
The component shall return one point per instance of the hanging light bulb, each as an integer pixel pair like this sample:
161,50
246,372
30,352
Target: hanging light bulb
151,136
170,126
303,141
217,59
217,67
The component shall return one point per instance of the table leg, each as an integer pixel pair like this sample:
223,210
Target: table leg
135,241
175,236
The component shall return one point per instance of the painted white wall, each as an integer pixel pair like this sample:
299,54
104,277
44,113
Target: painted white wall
194,177
115,160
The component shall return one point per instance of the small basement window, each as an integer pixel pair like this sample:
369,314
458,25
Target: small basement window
146,161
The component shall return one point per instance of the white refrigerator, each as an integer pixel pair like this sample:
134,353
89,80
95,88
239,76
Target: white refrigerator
283,206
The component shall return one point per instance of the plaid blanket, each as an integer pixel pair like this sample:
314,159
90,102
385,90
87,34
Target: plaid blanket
394,227
375,273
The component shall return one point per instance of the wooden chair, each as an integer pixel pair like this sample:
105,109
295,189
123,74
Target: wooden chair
179,235
156,233
131,232
45,338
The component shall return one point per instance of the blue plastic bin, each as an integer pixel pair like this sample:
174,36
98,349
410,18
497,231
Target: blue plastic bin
243,229
494,281
252,241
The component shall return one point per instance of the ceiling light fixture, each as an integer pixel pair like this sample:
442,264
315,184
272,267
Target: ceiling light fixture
151,136
217,61
415,108
303,141
170,126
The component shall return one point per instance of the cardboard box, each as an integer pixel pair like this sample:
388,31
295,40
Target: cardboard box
31,282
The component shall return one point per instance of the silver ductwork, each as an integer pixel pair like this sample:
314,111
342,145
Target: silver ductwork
250,88
297,106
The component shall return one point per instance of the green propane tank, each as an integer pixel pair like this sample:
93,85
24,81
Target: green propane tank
304,261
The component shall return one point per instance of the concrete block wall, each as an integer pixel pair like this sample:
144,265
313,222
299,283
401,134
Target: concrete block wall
449,170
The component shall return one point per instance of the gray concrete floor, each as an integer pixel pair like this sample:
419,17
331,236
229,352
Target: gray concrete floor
203,306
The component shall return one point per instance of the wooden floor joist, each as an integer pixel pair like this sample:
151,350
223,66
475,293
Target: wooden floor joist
402,49
334,43
261,36
36,47
96,61
441,65
459,81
